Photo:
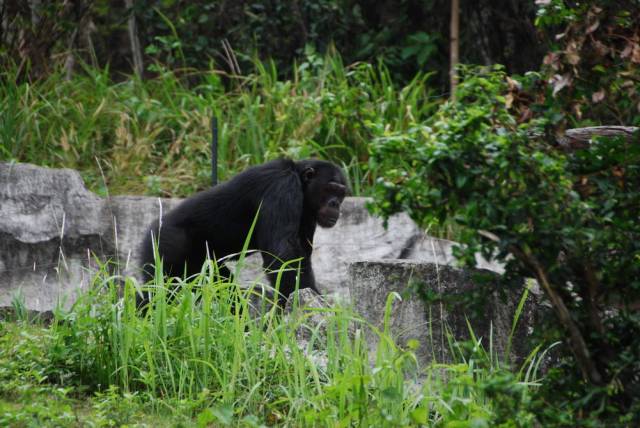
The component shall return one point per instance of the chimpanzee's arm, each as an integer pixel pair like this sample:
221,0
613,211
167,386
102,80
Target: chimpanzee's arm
278,235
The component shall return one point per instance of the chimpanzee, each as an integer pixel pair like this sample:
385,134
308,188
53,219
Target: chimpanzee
292,197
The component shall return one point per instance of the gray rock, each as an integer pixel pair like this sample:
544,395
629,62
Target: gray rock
310,310
358,236
440,251
131,216
52,202
53,233
50,228
371,282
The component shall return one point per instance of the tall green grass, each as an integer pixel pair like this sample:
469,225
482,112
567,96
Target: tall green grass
207,350
203,346
205,356
153,137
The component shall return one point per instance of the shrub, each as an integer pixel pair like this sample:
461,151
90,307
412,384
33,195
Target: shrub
569,220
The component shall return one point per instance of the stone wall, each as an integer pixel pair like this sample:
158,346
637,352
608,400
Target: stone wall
53,232
372,281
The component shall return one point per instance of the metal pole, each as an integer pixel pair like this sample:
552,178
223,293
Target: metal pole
214,151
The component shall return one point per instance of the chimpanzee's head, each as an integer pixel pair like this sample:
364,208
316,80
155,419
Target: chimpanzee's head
324,187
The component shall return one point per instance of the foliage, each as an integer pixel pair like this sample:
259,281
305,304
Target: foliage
154,136
190,32
594,66
408,35
29,38
570,220
205,358
392,31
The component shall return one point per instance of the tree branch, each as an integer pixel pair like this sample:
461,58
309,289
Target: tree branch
580,138
578,344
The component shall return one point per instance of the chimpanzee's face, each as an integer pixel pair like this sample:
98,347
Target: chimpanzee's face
325,189
332,196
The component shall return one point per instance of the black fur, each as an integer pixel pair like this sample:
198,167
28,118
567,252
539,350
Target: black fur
292,197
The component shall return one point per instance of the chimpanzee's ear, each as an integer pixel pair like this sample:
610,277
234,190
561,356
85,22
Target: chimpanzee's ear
308,174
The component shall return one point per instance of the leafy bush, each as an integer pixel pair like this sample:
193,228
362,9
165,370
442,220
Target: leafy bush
569,220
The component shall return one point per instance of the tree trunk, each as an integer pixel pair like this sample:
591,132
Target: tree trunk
455,46
136,51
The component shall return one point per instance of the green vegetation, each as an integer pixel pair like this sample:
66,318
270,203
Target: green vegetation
486,165
203,359
564,214
410,36
568,219
153,136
